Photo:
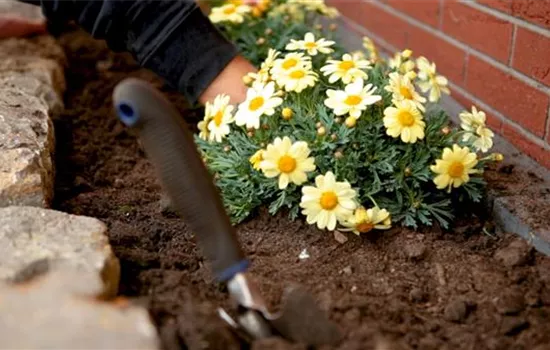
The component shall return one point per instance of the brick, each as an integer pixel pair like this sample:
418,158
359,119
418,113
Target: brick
513,98
481,31
426,11
527,144
501,5
387,26
534,11
532,55
493,122
449,59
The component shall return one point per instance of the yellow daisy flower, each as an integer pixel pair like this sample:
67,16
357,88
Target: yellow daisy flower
363,220
220,116
405,121
371,48
263,73
328,202
353,100
296,79
403,89
229,13
260,100
454,167
430,80
290,61
256,159
474,125
402,63
310,45
203,127
348,69
290,161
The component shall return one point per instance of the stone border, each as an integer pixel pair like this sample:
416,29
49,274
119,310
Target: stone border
507,216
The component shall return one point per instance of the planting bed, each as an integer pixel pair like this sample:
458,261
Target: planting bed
398,289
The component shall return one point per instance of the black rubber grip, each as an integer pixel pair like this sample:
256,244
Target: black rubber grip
169,145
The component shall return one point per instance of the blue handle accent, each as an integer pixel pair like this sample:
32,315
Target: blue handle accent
127,113
231,271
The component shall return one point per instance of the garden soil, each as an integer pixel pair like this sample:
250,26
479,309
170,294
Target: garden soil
466,289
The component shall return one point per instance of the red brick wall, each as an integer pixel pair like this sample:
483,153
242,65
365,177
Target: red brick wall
496,53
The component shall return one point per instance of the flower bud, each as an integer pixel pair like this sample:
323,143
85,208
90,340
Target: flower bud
350,122
247,80
333,27
318,125
260,41
338,155
321,131
287,113
333,137
262,145
256,12
265,127
268,31
227,148
497,157
408,171
250,134
337,120
445,130
406,53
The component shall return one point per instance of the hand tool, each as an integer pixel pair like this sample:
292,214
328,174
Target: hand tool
170,147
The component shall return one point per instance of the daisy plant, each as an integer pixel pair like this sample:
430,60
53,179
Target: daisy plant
345,140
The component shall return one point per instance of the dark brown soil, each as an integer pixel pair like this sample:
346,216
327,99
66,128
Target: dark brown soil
397,290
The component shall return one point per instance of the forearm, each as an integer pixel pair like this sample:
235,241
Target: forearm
172,38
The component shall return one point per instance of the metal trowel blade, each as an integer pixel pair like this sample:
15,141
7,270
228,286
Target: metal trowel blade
301,320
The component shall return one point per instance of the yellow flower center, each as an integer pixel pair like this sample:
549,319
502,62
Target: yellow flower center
310,45
405,118
456,169
297,74
289,63
287,164
229,10
218,118
256,103
353,100
328,200
364,227
405,92
346,65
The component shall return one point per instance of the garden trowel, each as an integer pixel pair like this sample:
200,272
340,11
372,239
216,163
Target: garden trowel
185,179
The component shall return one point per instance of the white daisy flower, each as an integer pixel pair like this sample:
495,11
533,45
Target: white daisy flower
348,69
310,45
328,202
260,100
353,100
220,115
229,13
289,161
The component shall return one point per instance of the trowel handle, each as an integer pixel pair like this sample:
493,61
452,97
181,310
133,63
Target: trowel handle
170,147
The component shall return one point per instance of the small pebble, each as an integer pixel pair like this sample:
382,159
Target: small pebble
303,255
347,270
516,253
415,250
456,311
352,314
340,237
512,302
417,295
353,289
512,325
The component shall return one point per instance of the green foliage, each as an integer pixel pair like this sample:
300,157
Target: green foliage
395,174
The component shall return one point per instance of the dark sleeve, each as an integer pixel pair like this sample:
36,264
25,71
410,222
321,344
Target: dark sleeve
173,38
